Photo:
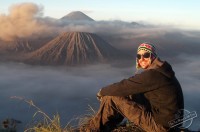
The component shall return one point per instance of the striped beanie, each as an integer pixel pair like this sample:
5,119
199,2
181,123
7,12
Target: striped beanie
147,47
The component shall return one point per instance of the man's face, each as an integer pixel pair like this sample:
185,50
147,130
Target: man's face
145,59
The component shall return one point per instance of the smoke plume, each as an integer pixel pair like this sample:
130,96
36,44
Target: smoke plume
22,21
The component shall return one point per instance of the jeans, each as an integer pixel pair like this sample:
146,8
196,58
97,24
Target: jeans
113,109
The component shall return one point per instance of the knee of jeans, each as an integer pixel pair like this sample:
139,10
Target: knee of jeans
110,98
117,98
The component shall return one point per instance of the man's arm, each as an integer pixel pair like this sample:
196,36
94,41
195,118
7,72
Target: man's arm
139,83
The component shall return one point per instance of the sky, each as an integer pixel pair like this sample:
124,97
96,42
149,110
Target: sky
179,13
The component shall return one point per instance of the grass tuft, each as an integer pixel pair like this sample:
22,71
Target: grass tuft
47,123
53,124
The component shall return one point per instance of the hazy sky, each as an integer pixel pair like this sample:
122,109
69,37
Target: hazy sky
169,12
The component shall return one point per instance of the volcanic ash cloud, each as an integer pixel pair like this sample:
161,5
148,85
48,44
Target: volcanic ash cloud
22,21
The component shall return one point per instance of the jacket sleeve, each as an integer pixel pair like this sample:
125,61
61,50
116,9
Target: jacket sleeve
139,83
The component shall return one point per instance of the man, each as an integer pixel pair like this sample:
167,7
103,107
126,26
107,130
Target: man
162,96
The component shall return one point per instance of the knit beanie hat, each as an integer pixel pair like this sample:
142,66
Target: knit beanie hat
147,47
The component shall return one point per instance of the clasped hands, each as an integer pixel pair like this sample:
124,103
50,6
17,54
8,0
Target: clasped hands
99,96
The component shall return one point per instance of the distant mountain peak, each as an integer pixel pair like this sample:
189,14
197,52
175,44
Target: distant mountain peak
76,16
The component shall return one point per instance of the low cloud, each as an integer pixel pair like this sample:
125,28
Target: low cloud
69,90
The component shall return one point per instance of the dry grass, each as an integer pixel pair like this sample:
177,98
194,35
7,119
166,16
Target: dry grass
91,112
47,123
52,124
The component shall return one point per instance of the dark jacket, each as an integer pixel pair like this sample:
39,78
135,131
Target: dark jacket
160,87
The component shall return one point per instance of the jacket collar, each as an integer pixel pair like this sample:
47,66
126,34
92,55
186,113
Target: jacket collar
162,67
157,63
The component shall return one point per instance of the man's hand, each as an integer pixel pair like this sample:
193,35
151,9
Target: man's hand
99,96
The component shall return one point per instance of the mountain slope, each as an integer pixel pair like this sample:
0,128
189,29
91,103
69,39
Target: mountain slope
74,48
22,45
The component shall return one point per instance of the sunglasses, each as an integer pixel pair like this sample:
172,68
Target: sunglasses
145,55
